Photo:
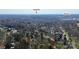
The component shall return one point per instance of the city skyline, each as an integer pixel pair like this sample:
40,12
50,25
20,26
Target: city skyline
41,11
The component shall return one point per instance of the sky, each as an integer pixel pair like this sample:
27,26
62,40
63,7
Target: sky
41,11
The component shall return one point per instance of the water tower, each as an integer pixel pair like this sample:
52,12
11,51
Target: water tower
36,10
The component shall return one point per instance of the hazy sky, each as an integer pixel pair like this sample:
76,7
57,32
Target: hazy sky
42,11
